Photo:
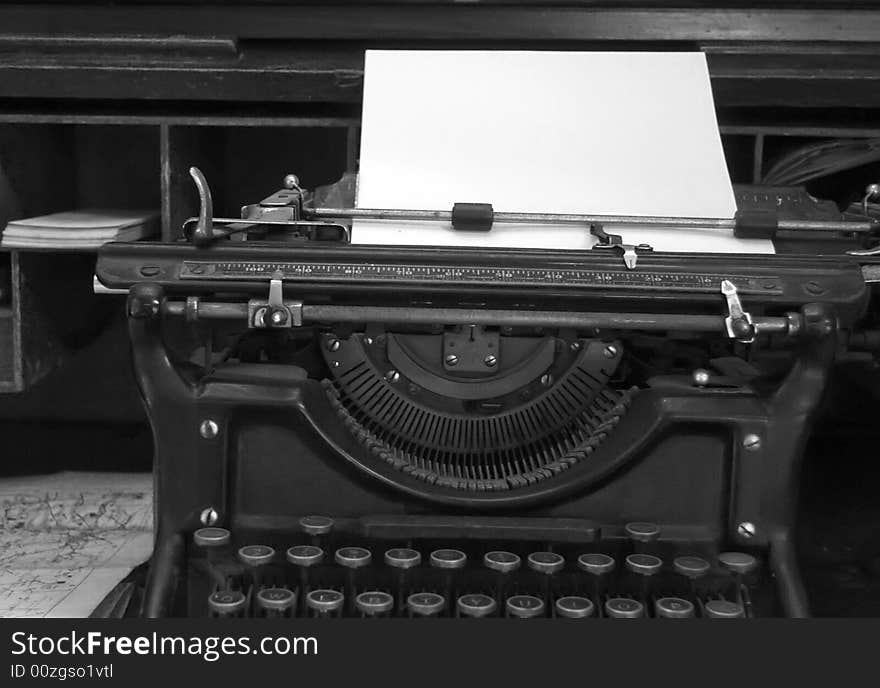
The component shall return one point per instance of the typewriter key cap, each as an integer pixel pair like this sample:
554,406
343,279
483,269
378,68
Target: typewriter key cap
476,606
624,608
546,562
451,560
227,602
212,537
524,606
325,602
402,558
256,555
305,555
276,601
353,557
574,607
673,608
691,567
448,559
644,564
316,525
374,603
596,564
738,562
642,532
423,604
503,562
723,609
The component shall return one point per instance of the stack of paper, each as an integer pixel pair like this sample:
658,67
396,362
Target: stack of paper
602,133
81,229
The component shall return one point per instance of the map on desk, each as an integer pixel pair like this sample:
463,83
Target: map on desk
67,539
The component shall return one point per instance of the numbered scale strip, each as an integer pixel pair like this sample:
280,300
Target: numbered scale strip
487,275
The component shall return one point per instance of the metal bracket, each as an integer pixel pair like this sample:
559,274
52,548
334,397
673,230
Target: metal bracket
274,313
738,323
615,242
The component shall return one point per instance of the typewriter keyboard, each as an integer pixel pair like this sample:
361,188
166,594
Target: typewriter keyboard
325,574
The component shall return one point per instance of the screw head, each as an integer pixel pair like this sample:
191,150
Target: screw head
209,429
291,181
546,379
368,341
701,377
610,351
451,360
873,191
209,516
333,345
277,317
746,529
575,346
392,376
490,361
751,442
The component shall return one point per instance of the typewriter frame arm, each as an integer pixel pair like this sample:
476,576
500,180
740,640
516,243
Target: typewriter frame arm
192,460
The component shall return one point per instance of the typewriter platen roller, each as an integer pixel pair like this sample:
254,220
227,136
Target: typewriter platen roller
497,432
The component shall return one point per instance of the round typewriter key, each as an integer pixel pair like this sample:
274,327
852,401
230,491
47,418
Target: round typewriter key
425,604
574,607
305,555
277,600
642,532
227,602
596,564
722,609
476,605
644,564
448,559
624,608
546,562
674,608
374,603
353,557
402,558
691,567
256,555
503,562
325,602
524,606
212,537
738,562
316,525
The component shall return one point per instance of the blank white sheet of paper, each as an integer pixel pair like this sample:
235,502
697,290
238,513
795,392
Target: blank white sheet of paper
627,133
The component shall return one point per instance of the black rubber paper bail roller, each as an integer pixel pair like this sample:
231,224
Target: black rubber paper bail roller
473,217
755,224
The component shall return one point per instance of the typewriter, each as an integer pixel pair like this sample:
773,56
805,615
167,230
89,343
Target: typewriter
371,431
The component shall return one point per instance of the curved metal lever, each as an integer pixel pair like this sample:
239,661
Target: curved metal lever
203,234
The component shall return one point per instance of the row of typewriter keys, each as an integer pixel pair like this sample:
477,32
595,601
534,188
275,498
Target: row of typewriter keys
600,592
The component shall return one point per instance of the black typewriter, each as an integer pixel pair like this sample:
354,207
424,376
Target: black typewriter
366,431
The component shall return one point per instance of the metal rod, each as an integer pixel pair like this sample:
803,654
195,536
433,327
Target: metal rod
578,218
502,318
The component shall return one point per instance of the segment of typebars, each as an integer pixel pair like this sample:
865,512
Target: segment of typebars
513,318
327,575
